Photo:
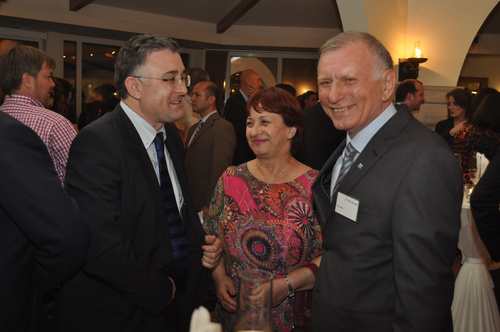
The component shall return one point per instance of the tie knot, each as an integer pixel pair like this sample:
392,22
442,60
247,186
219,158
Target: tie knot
200,123
158,140
350,151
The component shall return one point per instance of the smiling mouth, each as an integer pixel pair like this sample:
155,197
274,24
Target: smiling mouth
342,109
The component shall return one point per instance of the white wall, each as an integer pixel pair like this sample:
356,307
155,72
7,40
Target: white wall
483,66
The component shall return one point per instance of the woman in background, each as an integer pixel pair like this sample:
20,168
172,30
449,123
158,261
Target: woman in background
481,135
459,112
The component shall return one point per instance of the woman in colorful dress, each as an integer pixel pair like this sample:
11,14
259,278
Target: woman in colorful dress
481,134
262,211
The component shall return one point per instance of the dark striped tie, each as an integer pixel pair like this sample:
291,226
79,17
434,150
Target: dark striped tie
350,153
197,130
178,264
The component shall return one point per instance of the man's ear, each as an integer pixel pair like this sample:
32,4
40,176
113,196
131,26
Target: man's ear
291,132
388,80
28,81
211,99
134,87
409,96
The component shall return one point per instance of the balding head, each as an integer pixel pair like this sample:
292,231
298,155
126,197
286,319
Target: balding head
250,81
204,98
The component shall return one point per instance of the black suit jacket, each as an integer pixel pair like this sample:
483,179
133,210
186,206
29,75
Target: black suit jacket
124,285
390,270
235,112
484,205
322,138
43,240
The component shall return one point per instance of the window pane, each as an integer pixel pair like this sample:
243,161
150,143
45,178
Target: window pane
301,74
5,44
98,67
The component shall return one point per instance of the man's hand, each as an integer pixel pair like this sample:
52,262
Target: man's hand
251,90
212,252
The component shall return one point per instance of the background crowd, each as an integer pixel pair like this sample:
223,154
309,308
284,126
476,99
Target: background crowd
351,203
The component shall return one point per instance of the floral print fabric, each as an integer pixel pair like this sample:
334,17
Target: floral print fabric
265,226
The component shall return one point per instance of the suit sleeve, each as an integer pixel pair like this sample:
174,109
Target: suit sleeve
32,195
484,205
426,223
95,176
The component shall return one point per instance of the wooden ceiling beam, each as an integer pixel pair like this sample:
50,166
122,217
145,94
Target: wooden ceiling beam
241,9
76,5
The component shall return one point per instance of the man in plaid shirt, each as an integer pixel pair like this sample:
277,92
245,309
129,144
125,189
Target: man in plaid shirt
26,80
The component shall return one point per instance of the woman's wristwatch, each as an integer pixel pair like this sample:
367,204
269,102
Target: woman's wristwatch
291,291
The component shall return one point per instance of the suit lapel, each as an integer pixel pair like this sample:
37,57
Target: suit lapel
322,184
210,122
137,150
371,154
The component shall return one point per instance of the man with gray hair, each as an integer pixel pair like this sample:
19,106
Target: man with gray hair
390,204
143,271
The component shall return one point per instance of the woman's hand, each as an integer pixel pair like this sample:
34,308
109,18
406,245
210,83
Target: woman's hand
457,128
260,295
224,290
212,252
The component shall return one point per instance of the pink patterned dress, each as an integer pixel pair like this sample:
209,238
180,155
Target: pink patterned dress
265,226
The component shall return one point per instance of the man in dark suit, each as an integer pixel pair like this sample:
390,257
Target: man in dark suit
484,203
210,148
143,271
43,240
235,112
391,221
322,138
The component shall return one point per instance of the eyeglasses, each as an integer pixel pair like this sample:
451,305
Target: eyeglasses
186,79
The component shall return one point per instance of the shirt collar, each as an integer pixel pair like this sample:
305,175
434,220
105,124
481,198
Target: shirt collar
362,138
20,97
146,131
244,95
205,118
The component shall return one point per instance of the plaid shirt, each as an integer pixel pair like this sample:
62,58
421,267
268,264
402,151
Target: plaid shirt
54,129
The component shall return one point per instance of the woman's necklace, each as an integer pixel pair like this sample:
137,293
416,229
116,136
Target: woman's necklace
274,178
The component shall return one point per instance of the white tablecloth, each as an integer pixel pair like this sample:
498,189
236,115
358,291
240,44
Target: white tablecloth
474,307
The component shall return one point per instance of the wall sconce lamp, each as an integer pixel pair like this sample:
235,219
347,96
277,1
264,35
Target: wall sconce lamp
408,67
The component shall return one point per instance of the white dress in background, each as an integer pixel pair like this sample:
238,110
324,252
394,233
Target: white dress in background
474,307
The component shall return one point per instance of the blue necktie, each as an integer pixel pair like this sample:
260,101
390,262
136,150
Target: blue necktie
178,264
350,153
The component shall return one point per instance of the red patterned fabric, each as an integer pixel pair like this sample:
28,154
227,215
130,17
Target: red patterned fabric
266,226
472,139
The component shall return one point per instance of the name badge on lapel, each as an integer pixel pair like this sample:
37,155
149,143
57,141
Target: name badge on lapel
347,206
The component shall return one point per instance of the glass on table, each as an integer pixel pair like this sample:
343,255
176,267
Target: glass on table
254,301
468,189
473,174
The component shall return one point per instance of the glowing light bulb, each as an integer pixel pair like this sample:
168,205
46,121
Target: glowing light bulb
417,50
